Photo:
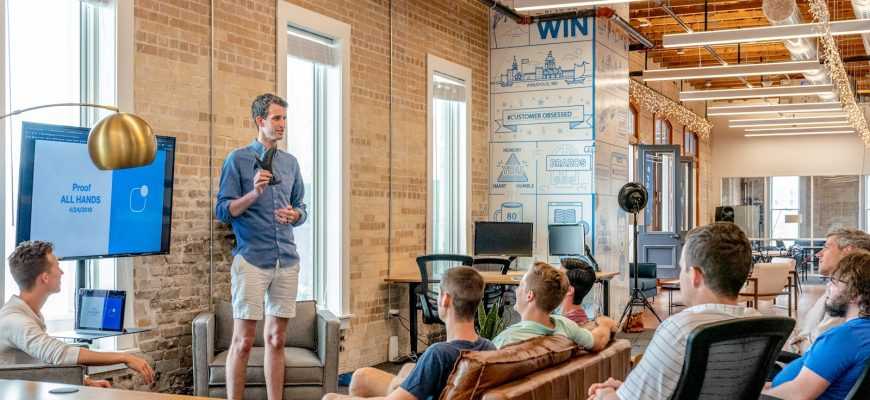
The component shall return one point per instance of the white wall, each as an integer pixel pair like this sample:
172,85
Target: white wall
737,156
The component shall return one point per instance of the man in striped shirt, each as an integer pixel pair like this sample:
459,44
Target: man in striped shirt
714,264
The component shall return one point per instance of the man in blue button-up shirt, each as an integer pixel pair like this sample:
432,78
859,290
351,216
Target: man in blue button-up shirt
262,207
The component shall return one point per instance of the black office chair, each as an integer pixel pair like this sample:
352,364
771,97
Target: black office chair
493,293
730,359
861,390
432,266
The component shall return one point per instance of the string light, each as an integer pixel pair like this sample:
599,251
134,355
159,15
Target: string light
658,104
835,67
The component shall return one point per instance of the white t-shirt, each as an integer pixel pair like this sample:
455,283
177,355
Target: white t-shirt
23,339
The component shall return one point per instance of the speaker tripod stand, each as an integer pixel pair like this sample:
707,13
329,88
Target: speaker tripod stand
637,298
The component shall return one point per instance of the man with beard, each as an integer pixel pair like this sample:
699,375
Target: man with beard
838,244
832,365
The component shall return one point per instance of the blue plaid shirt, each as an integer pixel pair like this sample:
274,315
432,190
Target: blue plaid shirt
260,239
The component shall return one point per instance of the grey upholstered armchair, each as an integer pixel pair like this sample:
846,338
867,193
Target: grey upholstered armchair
69,374
311,354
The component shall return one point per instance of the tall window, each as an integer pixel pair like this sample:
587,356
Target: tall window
690,143
662,131
784,202
449,122
313,70
58,51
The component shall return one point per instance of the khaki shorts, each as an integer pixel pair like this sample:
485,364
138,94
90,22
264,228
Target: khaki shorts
250,284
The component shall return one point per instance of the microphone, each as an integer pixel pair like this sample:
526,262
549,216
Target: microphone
266,164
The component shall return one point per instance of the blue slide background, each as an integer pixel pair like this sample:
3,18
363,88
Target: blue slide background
131,231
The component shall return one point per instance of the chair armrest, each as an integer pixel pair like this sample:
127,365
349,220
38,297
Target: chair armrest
328,326
69,374
203,351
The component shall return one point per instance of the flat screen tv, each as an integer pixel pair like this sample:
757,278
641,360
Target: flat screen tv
86,212
503,238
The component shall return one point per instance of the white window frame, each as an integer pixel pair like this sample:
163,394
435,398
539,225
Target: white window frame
124,22
336,217
436,64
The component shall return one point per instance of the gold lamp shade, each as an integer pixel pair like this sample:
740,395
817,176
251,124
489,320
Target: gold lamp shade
122,140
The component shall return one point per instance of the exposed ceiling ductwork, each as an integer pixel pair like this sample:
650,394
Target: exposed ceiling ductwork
786,12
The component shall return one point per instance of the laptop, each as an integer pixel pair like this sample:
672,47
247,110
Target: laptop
99,312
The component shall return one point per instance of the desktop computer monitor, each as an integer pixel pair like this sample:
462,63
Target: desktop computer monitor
503,238
566,240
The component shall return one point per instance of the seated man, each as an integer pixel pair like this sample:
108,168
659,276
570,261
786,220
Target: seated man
816,321
461,292
23,339
581,277
541,290
714,264
831,366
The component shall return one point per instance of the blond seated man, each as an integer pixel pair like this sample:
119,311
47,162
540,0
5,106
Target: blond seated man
461,292
23,339
839,243
541,290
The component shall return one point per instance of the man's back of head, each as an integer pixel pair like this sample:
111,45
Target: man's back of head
548,284
581,277
465,287
722,253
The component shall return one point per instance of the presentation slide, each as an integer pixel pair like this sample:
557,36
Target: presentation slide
85,211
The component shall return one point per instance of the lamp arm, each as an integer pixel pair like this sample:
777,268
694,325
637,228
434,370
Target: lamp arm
23,110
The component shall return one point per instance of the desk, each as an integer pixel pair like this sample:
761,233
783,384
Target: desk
26,390
88,338
512,278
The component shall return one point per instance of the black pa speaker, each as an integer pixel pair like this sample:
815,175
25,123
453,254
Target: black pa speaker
725,214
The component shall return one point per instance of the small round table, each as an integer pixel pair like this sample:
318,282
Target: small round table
670,286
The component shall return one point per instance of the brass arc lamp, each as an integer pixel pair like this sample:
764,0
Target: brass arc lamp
121,140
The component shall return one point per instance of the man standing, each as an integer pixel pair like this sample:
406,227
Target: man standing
261,196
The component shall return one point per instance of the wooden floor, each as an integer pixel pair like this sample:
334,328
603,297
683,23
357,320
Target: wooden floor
810,292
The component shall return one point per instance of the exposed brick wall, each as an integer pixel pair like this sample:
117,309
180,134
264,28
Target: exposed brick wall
171,91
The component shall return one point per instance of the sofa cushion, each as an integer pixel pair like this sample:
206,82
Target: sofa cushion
301,329
476,371
302,368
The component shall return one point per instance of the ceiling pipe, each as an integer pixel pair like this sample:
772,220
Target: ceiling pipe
689,29
603,12
786,12
862,11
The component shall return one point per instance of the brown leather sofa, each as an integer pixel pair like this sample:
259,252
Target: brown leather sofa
549,367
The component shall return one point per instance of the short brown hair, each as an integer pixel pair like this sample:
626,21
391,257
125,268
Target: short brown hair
260,106
581,276
854,270
465,286
28,261
548,283
723,253
850,237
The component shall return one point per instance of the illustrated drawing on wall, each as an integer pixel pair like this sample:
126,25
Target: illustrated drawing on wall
510,211
577,74
513,171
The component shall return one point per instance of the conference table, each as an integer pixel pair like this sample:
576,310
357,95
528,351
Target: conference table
512,278
27,390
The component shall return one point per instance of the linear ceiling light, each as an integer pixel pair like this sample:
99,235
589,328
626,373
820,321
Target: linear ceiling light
798,133
763,33
537,5
726,71
773,108
771,91
794,122
798,128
